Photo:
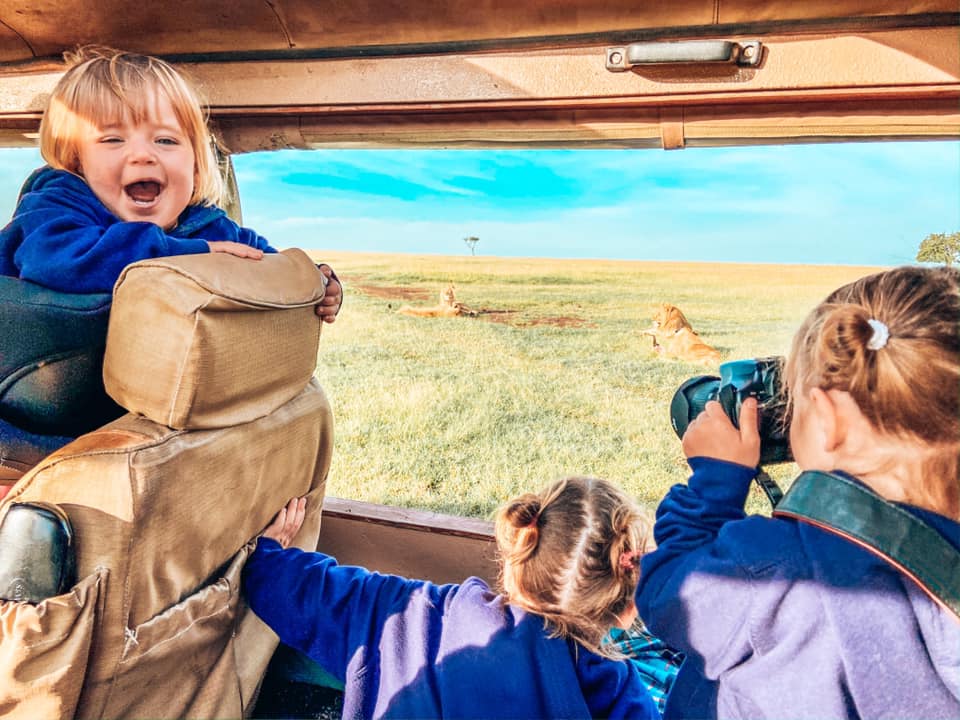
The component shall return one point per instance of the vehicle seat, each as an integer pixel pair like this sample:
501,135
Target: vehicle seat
213,357
51,358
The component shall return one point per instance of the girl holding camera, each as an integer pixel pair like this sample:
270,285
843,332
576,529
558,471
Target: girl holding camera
779,617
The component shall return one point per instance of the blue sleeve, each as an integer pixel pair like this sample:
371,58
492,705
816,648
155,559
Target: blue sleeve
66,247
325,610
249,237
613,689
695,590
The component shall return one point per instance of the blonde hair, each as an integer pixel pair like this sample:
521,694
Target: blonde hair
101,86
909,387
571,555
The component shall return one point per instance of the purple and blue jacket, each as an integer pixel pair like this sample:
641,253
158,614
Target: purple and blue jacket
411,649
779,618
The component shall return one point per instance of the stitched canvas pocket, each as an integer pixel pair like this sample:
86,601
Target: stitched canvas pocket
44,649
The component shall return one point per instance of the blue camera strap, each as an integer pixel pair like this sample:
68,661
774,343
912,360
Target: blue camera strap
847,509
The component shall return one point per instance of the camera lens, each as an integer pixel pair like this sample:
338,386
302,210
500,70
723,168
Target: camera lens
690,400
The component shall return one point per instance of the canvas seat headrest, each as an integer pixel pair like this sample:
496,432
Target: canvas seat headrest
212,340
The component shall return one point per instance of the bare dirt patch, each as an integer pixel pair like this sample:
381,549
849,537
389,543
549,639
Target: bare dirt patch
561,321
496,315
509,317
393,292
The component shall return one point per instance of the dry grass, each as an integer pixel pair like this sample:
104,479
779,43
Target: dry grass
553,377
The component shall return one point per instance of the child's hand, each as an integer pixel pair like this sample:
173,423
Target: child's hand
287,522
712,435
235,248
328,308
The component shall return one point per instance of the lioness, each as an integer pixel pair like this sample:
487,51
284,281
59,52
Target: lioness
449,306
669,318
687,345
674,336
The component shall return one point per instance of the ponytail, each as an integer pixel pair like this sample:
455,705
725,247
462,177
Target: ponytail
892,341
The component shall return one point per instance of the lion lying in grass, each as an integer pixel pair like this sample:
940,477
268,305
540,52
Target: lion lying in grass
674,336
669,319
449,306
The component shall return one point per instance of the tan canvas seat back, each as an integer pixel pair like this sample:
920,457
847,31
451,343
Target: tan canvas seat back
213,356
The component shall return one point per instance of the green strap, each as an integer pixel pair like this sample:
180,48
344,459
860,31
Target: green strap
846,508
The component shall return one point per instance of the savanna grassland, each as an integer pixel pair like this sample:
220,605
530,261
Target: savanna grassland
552,377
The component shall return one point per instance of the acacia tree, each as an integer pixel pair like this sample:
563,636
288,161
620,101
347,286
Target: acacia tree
940,248
471,243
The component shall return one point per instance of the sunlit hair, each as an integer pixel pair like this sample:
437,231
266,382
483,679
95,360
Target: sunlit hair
571,555
909,388
103,86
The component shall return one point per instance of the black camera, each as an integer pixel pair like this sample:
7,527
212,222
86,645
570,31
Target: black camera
740,379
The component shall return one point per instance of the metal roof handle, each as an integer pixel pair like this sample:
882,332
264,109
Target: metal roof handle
743,53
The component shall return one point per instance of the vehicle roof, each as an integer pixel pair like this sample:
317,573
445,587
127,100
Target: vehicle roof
31,29
298,73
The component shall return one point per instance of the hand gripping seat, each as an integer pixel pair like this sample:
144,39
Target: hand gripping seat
213,357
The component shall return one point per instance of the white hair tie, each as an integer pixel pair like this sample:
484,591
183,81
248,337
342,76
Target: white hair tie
881,333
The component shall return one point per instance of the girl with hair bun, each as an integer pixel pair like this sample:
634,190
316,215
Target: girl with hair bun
408,648
792,617
571,554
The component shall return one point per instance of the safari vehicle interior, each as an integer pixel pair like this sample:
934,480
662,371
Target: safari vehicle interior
425,74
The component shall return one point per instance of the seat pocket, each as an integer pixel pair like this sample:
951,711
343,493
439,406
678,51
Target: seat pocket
44,650
181,662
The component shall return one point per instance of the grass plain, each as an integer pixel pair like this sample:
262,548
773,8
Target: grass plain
552,378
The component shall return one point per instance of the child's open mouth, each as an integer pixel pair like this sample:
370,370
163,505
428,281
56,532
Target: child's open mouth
144,192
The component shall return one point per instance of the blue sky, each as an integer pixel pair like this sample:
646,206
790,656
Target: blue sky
863,203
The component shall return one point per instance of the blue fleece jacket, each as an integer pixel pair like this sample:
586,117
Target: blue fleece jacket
411,649
62,237
781,619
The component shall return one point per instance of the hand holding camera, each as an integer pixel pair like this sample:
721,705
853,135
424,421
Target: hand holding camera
713,434
739,417
740,379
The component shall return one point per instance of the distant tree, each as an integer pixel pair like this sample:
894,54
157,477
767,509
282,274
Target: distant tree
940,248
471,243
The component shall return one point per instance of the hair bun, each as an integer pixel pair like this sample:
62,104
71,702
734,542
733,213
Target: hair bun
527,512
522,535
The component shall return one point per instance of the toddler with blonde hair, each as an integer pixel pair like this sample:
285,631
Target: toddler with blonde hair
409,648
131,174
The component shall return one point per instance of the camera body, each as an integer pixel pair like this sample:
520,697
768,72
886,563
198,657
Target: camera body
740,379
